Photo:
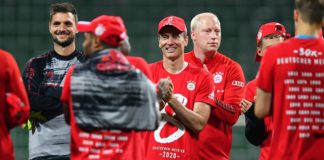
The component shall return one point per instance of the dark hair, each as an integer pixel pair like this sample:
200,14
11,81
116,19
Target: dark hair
65,7
311,11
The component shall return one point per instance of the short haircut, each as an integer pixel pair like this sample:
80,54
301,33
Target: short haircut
65,7
311,11
198,17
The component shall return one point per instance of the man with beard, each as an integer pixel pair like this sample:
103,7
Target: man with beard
43,76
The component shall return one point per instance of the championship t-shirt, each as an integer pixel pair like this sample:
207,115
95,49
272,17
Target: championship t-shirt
172,140
293,72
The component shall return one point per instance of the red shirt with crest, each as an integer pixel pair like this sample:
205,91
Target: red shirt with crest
216,139
172,140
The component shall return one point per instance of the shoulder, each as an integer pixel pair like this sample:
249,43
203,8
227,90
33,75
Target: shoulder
40,58
6,57
197,71
226,60
156,65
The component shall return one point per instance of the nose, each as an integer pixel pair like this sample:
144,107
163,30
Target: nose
170,40
61,27
214,35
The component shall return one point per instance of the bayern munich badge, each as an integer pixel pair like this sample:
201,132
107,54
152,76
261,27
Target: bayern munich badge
218,77
191,85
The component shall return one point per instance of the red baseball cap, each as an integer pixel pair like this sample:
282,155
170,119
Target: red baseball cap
268,29
174,21
110,29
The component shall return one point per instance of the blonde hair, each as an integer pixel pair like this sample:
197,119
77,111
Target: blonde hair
195,20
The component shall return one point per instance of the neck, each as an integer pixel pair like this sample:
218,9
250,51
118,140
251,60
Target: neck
174,66
203,55
303,28
64,51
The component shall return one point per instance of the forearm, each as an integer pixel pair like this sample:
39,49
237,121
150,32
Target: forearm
227,113
192,120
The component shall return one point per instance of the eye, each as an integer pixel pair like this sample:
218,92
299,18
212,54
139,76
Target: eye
56,23
68,23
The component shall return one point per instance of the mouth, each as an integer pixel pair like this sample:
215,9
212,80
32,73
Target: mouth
170,49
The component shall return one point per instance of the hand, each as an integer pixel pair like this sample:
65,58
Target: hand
165,89
245,105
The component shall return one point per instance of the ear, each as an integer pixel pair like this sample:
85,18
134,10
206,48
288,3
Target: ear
296,15
96,42
193,36
259,51
186,40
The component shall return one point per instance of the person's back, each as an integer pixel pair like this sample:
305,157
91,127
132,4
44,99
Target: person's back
13,102
120,99
298,71
290,87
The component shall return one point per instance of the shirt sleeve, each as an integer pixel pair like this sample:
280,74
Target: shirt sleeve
39,100
16,95
250,91
228,110
266,72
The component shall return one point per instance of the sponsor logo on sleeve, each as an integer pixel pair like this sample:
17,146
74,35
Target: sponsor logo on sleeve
238,83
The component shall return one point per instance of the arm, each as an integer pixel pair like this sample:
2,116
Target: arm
39,101
16,96
255,131
263,103
194,120
228,110
66,98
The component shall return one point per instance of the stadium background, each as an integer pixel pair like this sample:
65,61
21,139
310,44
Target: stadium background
24,33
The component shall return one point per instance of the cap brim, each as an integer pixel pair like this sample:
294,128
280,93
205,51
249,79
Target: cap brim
84,26
170,26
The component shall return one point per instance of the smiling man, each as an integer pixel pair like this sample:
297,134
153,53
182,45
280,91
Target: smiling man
43,78
189,103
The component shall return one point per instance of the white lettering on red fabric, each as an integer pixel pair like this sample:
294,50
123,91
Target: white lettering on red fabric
307,52
170,119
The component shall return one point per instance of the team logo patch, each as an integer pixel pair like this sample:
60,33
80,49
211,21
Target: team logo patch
218,77
191,85
211,96
100,29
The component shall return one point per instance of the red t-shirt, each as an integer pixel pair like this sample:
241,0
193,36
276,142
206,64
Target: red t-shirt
293,72
11,82
216,138
172,140
265,146
108,144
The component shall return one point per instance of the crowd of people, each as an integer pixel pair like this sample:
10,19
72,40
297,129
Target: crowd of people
101,103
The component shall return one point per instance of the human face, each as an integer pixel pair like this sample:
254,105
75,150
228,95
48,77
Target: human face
206,35
172,43
63,28
268,42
